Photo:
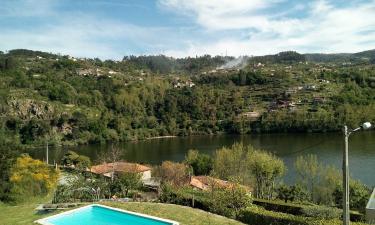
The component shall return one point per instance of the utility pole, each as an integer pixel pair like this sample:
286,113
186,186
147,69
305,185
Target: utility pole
345,170
47,152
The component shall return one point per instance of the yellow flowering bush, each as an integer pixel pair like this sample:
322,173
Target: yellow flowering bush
32,177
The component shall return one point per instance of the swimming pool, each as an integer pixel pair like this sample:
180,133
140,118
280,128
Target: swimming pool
96,214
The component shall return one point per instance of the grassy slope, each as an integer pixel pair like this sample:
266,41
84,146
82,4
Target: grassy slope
182,214
24,214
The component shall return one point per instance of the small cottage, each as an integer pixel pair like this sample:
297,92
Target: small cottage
112,169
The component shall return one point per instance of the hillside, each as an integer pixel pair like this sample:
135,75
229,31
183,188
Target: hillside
71,101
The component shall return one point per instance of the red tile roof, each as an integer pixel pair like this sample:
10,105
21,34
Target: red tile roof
119,167
204,183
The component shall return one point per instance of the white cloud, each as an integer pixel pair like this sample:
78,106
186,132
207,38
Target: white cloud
238,27
324,27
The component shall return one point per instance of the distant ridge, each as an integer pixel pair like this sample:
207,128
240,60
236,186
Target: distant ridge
281,57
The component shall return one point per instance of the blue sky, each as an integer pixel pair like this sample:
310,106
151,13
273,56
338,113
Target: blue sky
114,28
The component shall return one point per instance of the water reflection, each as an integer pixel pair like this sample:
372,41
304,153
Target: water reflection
328,147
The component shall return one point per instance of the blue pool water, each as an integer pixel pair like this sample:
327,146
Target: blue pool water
97,215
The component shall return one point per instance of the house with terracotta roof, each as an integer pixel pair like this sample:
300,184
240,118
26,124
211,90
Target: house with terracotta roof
112,169
204,183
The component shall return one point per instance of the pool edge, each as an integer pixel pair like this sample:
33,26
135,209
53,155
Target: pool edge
44,221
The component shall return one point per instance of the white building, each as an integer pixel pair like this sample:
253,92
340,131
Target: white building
370,209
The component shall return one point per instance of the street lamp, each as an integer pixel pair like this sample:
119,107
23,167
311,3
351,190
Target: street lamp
345,170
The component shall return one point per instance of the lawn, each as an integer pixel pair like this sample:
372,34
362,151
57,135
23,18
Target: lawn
25,214
182,214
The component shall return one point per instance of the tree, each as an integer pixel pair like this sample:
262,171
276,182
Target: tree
308,171
232,163
8,152
113,156
71,158
129,181
266,168
33,130
173,173
330,178
31,177
201,164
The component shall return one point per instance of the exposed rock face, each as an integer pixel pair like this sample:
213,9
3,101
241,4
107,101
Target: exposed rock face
30,108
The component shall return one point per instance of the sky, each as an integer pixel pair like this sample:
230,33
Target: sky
110,29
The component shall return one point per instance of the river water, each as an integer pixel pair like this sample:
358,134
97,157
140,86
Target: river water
327,146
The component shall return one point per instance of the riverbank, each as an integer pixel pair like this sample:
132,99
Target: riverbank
161,137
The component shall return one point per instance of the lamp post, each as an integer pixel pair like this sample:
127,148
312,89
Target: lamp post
345,170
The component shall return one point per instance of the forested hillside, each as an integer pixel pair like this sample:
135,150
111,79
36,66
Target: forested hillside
77,101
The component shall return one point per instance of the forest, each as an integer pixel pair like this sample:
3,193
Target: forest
70,101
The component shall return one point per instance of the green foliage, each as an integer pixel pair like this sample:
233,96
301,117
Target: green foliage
292,193
129,181
34,130
322,212
229,201
277,206
184,196
71,158
320,181
246,164
232,163
81,188
308,169
258,215
202,164
266,168
140,99
8,154
359,194
306,210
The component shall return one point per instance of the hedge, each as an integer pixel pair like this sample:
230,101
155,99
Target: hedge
289,208
293,214
306,210
259,215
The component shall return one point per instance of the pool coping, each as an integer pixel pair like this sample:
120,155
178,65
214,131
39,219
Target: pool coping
44,221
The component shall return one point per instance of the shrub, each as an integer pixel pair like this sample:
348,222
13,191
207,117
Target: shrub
289,208
229,201
185,196
292,193
359,195
31,177
201,164
322,212
259,215
306,210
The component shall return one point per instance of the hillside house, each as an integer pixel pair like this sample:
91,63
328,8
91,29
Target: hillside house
319,100
113,169
251,115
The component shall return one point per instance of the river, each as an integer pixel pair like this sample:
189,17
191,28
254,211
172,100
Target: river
327,146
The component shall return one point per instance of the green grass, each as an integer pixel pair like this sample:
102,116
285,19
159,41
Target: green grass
21,214
25,214
182,214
